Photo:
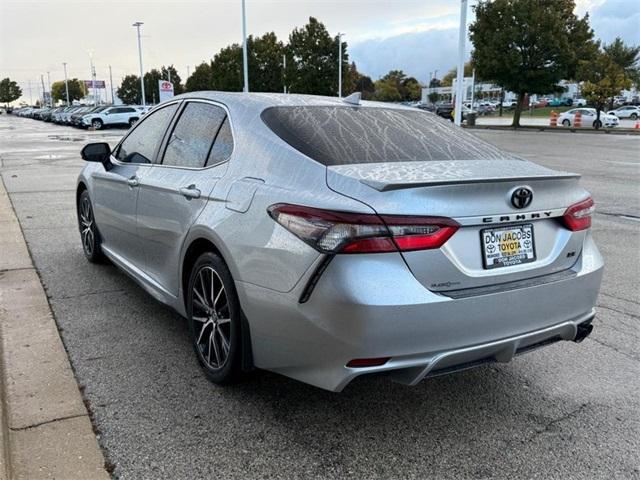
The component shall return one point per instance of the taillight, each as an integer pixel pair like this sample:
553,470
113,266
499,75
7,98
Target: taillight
343,232
578,216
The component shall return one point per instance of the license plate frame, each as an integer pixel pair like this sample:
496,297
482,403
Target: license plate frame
526,256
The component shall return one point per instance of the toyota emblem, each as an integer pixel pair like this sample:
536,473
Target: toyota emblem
521,197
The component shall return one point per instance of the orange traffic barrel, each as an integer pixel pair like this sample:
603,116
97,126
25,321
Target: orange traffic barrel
577,119
553,119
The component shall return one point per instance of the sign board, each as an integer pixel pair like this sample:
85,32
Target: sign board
98,84
166,90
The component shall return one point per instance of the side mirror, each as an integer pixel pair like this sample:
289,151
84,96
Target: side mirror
97,152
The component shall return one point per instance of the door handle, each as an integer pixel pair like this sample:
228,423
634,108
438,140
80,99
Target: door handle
190,192
133,181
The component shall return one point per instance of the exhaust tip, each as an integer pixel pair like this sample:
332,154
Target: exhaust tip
584,330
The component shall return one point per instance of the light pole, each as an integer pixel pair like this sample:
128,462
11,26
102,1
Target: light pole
111,85
137,25
284,73
66,82
30,96
43,95
245,60
460,76
340,64
50,92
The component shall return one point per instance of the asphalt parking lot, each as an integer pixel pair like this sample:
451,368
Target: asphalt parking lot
567,411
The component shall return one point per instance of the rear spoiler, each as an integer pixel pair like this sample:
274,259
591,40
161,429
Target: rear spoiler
401,175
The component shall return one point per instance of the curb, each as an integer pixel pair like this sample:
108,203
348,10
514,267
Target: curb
46,430
546,128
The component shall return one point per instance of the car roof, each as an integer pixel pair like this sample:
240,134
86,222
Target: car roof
257,102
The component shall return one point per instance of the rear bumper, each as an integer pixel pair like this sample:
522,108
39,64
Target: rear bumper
372,306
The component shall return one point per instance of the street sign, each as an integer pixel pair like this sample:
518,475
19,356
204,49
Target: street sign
166,90
98,84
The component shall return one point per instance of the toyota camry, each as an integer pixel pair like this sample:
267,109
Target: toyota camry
325,238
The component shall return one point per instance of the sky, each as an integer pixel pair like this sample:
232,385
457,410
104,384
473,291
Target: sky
417,36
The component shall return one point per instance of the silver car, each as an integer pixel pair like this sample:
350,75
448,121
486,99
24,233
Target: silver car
325,239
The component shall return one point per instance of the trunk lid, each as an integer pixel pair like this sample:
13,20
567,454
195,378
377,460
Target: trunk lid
478,195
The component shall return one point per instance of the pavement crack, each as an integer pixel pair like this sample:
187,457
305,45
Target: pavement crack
88,294
604,344
36,425
622,312
620,298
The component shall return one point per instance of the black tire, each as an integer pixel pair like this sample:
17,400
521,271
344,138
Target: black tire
566,122
96,123
634,116
132,122
597,124
206,327
89,234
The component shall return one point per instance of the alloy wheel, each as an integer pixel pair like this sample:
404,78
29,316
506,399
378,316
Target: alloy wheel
87,226
211,318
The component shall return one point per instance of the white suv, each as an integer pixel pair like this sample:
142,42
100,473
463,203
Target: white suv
113,116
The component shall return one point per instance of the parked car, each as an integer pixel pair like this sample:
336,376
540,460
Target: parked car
589,118
113,116
580,102
540,103
628,111
292,242
509,104
560,102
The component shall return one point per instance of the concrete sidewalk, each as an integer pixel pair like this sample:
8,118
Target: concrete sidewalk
45,427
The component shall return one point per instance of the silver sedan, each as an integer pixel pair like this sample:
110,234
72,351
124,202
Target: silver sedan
325,238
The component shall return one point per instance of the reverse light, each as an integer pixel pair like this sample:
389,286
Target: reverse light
578,216
344,232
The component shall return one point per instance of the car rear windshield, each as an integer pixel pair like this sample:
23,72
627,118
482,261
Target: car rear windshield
348,135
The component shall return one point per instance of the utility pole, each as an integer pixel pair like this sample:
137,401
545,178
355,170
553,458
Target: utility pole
340,64
188,74
284,72
42,81
473,86
50,92
460,77
66,82
30,96
245,60
111,85
137,25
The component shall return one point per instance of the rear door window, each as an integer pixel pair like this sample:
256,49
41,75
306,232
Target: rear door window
192,138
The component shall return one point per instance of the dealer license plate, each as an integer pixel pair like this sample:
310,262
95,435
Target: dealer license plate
507,246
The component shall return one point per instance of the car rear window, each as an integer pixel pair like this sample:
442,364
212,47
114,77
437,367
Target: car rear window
348,135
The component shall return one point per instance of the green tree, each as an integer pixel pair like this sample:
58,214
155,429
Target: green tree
387,90
9,91
433,97
265,63
129,90
604,79
76,90
226,69
151,85
626,57
531,51
408,88
365,85
435,83
312,57
200,79
447,80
